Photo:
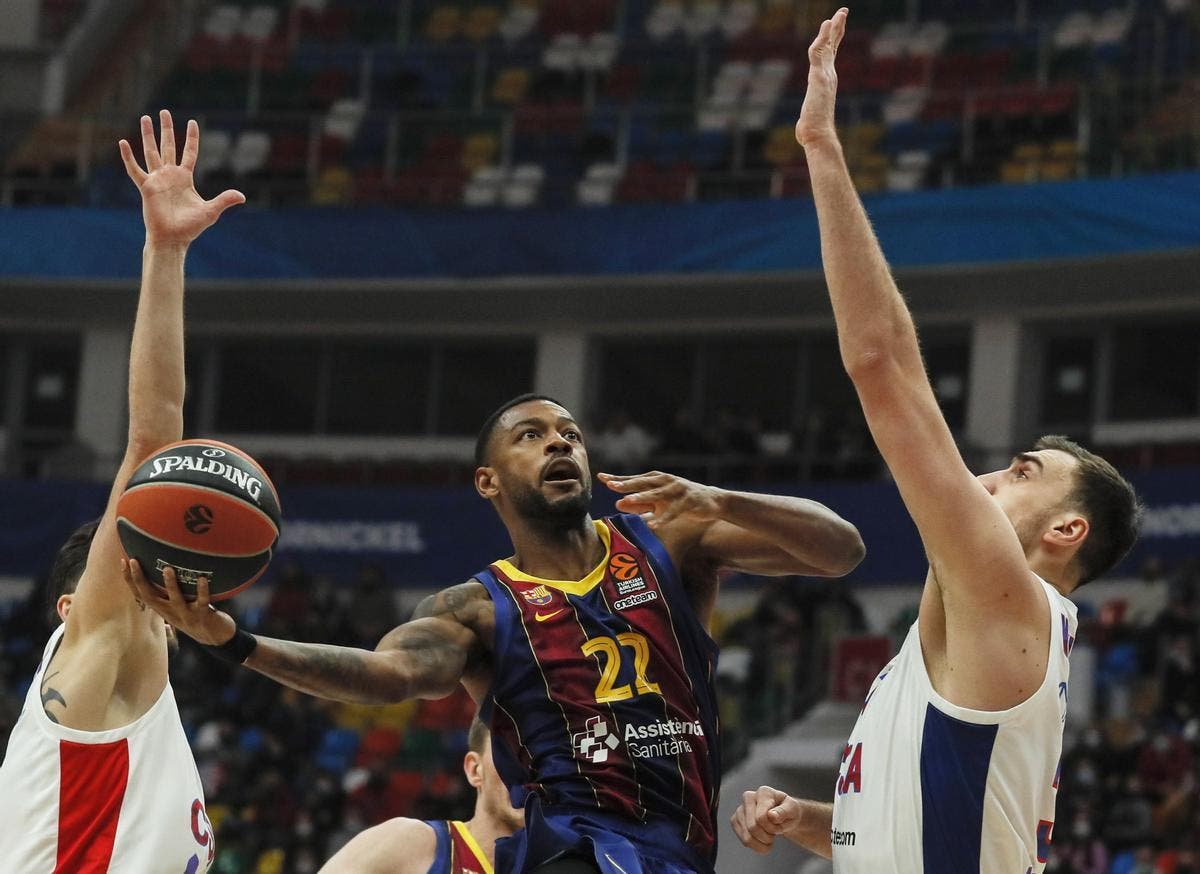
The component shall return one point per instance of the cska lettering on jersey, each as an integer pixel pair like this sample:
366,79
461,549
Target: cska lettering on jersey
850,773
202,829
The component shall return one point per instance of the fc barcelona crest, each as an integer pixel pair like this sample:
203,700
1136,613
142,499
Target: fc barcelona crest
538,596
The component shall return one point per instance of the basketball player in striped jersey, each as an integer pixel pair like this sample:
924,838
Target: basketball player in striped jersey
586,649
98,776
952,767
415,846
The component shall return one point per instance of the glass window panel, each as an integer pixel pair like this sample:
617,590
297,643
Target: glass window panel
650,379
948,362
1068,380
752,377
479,376
1155,372
51,383
269,386
379,387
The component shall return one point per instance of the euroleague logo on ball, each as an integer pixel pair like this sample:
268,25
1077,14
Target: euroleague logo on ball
198,519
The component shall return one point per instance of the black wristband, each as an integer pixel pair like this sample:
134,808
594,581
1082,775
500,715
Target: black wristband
235,650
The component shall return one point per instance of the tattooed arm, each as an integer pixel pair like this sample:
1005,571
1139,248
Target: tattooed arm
424,658
427,657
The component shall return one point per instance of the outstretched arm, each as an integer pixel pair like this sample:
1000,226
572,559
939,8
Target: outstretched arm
771,535
425,658
972,547
767,813
174,216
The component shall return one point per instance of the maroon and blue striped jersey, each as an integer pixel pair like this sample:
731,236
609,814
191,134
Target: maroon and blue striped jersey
602,696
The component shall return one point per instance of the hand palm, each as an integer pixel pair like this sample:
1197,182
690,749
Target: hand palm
173,210
171,206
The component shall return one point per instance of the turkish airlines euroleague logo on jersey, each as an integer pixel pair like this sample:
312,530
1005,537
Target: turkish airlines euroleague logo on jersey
626,573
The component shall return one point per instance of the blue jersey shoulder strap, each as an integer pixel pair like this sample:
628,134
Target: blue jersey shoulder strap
441,858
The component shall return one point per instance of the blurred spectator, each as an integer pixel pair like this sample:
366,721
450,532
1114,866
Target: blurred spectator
373,612
683,436
624,445
737,433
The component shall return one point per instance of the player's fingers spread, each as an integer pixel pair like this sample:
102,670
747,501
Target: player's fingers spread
131,165
166,126
191,145
149,148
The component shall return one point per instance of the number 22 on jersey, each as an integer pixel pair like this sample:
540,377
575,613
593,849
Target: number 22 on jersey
607,690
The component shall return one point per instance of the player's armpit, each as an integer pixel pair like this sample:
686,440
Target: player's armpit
425,658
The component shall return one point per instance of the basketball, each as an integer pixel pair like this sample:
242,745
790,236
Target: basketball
206,509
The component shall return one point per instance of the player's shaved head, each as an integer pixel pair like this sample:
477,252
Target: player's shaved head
484,440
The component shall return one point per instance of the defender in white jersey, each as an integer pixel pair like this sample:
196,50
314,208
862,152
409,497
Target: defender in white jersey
953,765
98,776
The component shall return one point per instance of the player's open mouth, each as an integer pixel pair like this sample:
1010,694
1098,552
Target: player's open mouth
561,470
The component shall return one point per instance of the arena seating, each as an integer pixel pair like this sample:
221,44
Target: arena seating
514,103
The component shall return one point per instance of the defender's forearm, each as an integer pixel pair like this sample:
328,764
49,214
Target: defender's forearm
337,673
807,530
872,318
156,380
814,831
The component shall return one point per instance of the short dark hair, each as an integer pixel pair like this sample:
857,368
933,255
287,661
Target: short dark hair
489,424
1110,504
477,737
68,567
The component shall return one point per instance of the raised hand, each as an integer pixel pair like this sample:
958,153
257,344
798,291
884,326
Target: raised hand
173,210
661,497
816,115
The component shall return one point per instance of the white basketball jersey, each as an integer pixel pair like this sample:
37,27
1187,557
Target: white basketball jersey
926,786
126,801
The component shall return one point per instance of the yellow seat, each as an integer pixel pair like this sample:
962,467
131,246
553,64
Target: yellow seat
479,150
781,148
1018,172
443,23
1064,149
510,86
869,180
1057,170
270,862
777,18
481,23
335,187
353,716
1028,151
396,716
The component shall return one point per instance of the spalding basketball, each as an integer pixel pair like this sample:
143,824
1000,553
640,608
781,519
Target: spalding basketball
206,509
